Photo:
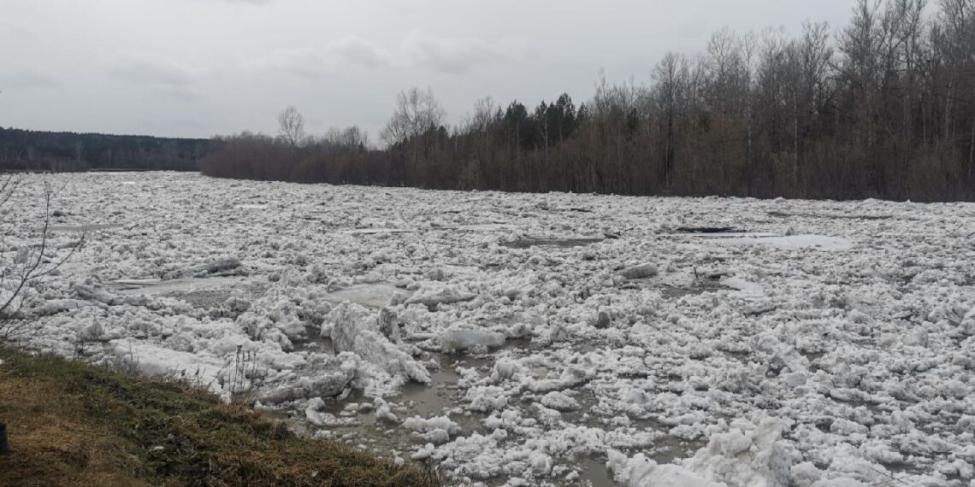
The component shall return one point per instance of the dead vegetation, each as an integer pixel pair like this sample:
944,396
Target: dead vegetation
74,424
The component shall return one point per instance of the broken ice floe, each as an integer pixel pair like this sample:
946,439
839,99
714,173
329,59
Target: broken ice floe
854,333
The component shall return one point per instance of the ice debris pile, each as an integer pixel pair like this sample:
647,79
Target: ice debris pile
549,339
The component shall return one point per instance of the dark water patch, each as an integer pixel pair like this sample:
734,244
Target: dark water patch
698,288
314,342
204,298
707,230
594,473
528,242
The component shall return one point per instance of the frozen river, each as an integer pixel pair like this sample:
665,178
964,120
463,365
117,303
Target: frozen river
537,339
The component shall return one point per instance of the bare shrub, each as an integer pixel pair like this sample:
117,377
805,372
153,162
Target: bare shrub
30,263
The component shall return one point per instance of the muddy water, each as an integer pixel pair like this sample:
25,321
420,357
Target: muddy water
359,426
357,422
445,397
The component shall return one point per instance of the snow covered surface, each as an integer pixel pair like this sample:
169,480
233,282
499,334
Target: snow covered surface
549,339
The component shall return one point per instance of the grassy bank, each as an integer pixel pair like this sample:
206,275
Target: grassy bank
70,423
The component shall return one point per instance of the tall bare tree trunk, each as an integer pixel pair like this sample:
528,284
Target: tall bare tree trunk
946,132
795,140
971,152
748,152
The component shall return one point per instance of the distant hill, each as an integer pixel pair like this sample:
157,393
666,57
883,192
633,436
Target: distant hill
67,151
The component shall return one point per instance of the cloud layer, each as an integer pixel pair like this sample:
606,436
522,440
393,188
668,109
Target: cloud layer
203,67
451,56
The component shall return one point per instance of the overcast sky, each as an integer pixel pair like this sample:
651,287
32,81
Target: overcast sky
203,67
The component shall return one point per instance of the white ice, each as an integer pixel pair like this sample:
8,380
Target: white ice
826,343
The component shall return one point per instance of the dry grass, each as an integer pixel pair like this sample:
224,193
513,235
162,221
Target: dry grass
73,424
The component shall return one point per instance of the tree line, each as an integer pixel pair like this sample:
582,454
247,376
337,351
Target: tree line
883,108
27,150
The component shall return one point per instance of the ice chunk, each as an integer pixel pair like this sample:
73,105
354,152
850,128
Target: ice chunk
839,482
464,338
640,471
750,454
91,333
540,462
373,295
154,360
314,414
642,271
385,412
328,384
805,474
436,430
445,296
56,306
747,288
219,266
486,398
91,292
818,242
968,323
571,376
504,369
355,329
559,401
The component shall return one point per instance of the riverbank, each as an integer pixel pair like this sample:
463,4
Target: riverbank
70,423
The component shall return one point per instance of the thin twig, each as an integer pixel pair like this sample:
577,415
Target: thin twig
28,270
8,188
33,268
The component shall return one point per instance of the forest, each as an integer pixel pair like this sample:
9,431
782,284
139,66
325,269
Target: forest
27,150
883,107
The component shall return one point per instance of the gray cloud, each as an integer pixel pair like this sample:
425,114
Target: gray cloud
27,80
153,73
355,50
314,64
416,52
446,55
234,64
160,79
303,63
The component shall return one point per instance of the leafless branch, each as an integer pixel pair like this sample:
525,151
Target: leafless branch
37,262
8,188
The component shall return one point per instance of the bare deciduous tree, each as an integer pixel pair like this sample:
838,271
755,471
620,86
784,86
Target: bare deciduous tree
348,138
417,112
485,111
882,108
292,126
